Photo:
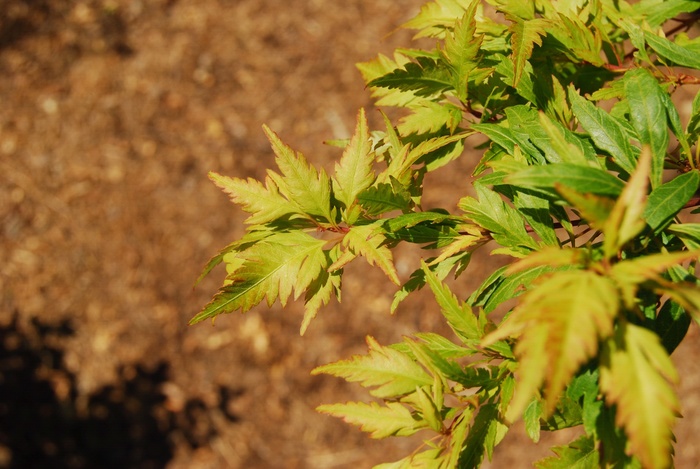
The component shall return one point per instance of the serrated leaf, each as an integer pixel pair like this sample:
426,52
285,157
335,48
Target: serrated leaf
648,116
270,270
437,16
300,182
667,200
625,220
368,241
559,324
579,454
459,316
320,289
605,131
673,52
429,117
424,77
636,375
524,35
584,179
392,419
462,48
354,173
503,221
264,203
394,373
384,198
485,433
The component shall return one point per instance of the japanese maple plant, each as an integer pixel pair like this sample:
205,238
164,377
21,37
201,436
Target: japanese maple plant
587,182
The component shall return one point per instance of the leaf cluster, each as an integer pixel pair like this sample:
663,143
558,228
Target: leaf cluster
585,180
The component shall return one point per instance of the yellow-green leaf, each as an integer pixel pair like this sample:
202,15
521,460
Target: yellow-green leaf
559,324
636,375
393,419
354,172
394,373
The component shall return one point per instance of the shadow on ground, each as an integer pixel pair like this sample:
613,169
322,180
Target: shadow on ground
48,424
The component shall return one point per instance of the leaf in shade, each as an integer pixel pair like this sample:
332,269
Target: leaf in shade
648,114
667,200
605,131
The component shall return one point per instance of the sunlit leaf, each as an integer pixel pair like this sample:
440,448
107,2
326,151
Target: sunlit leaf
392,419
393,373
636,375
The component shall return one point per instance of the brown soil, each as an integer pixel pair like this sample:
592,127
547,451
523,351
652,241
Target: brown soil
111,114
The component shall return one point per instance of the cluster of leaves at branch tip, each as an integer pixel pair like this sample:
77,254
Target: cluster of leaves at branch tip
586,181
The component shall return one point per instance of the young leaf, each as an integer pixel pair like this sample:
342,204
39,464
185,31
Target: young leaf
647,112
462,48
459,315
524,35
309,189
636,375
264,203
592,208
271,269
354,173
393,419
625,221
393,372
559,323
368,241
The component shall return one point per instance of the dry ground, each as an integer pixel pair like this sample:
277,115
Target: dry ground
111,114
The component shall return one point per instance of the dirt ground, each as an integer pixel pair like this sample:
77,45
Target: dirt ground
111,114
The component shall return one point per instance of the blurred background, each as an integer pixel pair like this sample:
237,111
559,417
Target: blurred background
111,114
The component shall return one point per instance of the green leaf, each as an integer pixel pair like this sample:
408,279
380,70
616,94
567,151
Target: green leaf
301,183
688,232
559,324
672,325
271,269
648,116
394,373
354,173
673,52
393,419
425,77
579,454
636,375
605,131
459,315
503,221
485,433
384,198
666,201
584,179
